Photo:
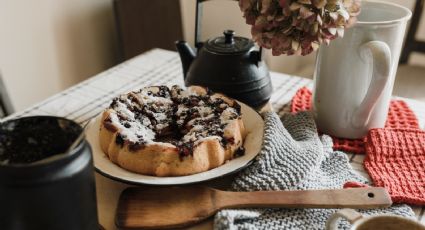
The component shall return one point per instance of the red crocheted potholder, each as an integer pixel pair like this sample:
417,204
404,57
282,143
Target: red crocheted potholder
395,160
399,116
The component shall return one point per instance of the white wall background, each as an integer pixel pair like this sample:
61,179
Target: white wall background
48,45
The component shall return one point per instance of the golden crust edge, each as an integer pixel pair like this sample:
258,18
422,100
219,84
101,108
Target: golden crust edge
163,159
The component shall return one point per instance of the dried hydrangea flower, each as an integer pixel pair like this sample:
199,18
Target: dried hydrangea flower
298,26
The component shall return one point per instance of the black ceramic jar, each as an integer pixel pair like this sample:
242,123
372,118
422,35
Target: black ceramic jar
40,186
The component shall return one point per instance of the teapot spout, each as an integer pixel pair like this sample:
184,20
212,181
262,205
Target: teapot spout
187,55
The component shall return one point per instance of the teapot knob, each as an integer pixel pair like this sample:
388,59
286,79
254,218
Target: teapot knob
228,36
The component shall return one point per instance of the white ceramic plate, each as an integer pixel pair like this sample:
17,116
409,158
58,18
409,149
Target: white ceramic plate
254,125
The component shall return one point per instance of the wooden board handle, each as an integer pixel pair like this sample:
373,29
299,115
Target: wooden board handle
363,198
172,207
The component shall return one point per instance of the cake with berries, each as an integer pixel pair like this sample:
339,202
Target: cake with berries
168,131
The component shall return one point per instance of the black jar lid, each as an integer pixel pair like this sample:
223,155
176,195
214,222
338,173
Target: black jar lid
42,142
28,140
229,44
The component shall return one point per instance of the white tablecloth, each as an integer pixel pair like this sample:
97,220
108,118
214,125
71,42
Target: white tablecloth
158,67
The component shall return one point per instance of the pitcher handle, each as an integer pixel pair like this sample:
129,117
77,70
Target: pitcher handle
349,214
380,54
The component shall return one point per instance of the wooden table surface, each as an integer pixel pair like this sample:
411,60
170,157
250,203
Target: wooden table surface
88,98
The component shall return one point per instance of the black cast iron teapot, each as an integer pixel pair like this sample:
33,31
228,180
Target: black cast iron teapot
229,64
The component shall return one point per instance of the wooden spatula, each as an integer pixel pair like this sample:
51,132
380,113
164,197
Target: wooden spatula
171,207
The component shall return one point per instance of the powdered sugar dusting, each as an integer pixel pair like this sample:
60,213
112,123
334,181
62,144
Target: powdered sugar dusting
183,118
135,130
146,95
122,109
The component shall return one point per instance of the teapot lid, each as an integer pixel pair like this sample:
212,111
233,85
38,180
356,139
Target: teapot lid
229,44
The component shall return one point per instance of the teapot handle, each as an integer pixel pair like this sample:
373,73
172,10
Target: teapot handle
198,20
198,27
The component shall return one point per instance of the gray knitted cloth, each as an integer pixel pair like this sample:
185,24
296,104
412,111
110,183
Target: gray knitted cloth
293,157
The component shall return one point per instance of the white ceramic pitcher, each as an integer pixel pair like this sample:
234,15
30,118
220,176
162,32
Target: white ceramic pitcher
354,75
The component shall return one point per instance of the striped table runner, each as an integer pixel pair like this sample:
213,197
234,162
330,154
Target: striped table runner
160,67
